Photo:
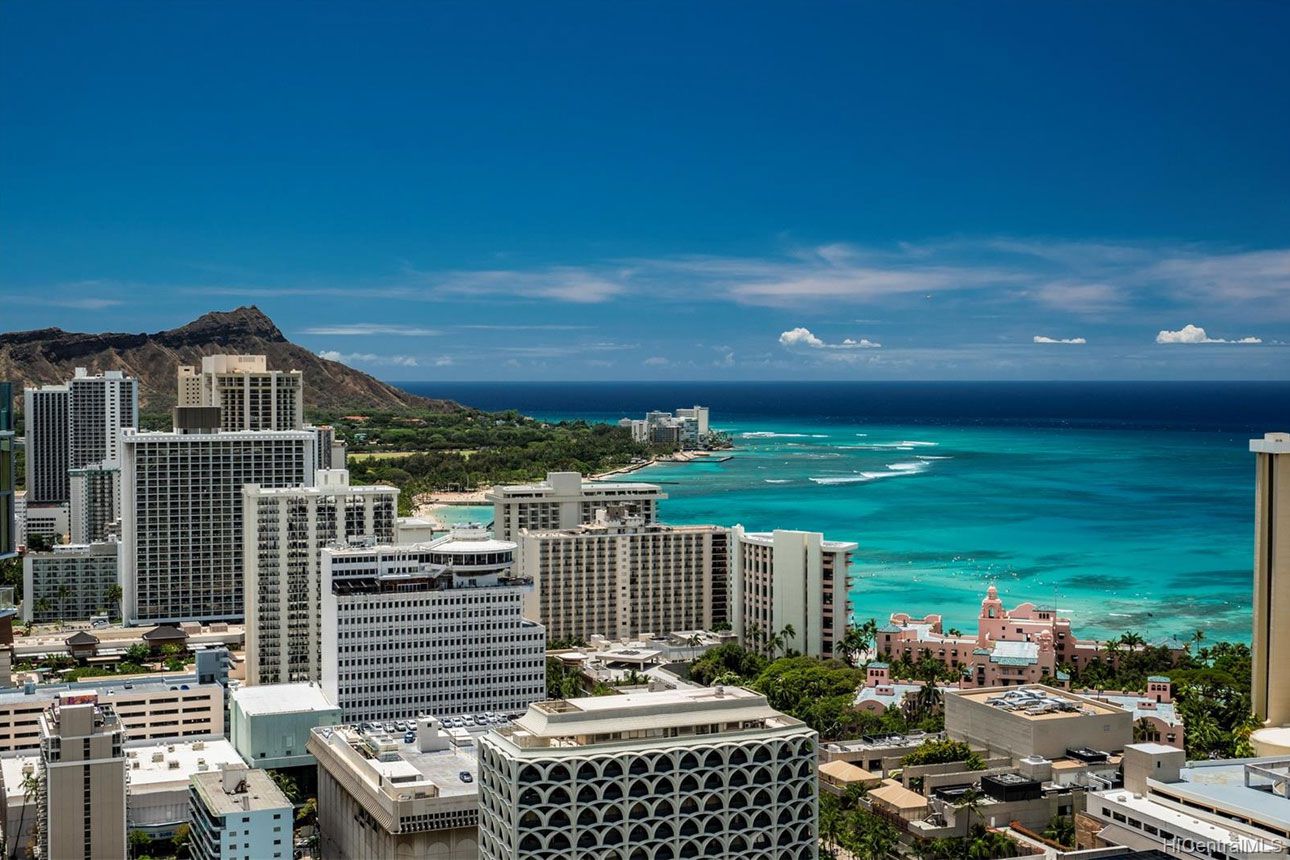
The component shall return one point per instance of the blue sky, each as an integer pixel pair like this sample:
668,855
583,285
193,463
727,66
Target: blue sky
662,190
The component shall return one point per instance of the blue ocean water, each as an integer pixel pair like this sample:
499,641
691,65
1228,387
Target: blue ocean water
1128,506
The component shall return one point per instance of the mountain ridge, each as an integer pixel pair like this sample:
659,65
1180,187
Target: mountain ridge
51,355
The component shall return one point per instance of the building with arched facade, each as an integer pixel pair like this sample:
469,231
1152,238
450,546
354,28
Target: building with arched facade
711,773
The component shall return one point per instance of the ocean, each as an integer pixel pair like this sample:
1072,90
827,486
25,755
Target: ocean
1127,506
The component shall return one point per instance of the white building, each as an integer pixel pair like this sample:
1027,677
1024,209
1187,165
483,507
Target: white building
95,507
9,535
284,531
250,396
237,813
50,522
98,409
688,428
623,578
794,579
329,451
181,526
433,628
700,772
565,500
416,796
70,583
1235,809
46,445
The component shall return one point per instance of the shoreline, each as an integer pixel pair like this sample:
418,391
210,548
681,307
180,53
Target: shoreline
425,504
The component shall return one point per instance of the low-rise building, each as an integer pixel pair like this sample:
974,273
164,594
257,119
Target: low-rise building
148,708
71,582
156,792
1028,644
1155,719
50,522
238,813
1225,810
1030,722
699,772
881,692
270,723
388,796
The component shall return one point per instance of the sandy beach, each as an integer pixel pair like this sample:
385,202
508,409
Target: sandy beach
428,503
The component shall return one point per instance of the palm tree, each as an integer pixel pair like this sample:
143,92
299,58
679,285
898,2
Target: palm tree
970,803
1144,730
30,788
694,642
753,636
1132,640
113,596
787,635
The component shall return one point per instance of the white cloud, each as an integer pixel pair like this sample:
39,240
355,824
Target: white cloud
802,336
655,361
1195,334
342,329
444,361
353,358
727,360
1075,341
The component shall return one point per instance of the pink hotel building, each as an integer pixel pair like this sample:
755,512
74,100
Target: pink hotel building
1023,646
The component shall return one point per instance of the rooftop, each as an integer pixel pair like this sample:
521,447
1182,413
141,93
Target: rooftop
1182,822
249,790
769,538
282,699
157,764
1039,703
605,719
399,769
1015,653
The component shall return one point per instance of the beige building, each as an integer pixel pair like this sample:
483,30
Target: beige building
564,500
1272,593
1035,721
81,799
624,578
794,579
413,799
284,530
250,396
147,710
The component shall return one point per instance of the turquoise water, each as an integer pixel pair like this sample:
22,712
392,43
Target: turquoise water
1149,531
1128,506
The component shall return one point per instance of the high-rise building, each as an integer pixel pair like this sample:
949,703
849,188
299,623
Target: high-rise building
790,579
284,531
565,500
81,799
98,408
8,502
623,578
181,528
433,628
1271,639
45,417
237,813
698,772
414,796
330,451
70,583
94,509
250,396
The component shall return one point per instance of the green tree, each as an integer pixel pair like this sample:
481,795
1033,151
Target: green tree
139,843
179,841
